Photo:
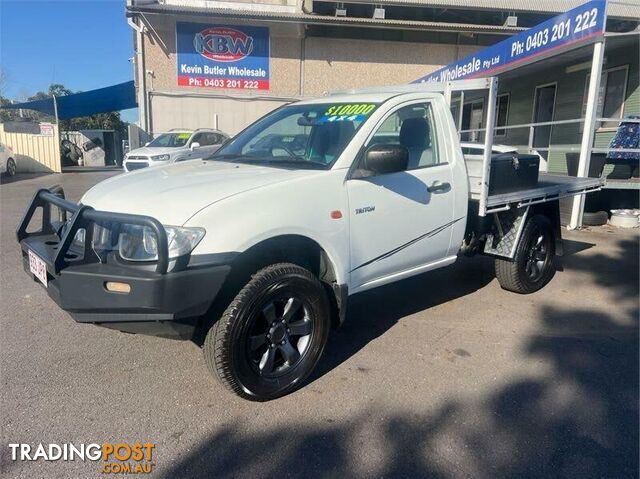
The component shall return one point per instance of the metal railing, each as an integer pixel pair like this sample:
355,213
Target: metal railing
567,149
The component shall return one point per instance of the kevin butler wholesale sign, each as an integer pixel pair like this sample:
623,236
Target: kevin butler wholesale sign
222,56
570,30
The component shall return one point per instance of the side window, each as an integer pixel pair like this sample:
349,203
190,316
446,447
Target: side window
197,138
205,138
411,126
210,138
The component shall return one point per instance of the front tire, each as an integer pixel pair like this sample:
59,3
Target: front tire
533,264
272,335
11,167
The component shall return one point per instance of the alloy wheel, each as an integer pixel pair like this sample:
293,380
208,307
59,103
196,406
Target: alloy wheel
537,258
280,335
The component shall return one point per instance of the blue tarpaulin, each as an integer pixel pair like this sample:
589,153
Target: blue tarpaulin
112,98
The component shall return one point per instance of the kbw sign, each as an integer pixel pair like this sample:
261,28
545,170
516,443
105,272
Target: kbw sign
216,56
564,32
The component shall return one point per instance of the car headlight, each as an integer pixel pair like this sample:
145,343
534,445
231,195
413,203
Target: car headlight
139,243
78,239
160,158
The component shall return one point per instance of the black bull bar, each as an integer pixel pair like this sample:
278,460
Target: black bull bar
83,217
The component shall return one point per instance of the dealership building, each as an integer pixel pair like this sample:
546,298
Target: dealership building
306,48
223,64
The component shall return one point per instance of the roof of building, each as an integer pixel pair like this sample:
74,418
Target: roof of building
623,9
311,19
617,8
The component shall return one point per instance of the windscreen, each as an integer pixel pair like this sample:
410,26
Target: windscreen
170,140
305,136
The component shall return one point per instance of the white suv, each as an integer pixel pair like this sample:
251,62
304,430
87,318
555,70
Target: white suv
174,146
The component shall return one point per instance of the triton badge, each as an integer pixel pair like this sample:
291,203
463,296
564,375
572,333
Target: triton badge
366,209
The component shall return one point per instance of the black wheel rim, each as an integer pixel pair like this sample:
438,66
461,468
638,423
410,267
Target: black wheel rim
11,168
280,335
537,258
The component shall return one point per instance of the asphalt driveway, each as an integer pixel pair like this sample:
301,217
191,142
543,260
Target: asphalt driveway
443,375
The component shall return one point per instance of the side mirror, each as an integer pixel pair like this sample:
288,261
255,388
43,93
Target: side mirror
384,159
194,146
147,143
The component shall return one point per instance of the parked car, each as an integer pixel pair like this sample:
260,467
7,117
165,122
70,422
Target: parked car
258,249
174,146
8,165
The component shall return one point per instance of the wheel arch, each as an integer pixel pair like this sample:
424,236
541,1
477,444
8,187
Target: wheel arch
291,248
284,248
551,210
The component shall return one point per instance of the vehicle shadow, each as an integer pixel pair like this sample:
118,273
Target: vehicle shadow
580,420
574,416
5,180
571,247
371,313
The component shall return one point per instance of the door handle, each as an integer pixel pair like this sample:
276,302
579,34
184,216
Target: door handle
438,186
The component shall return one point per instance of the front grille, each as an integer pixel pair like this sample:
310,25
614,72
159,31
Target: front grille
136,166
134,157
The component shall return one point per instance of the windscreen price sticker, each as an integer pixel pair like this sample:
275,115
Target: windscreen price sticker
347,112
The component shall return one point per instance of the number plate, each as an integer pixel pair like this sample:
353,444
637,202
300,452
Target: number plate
38,267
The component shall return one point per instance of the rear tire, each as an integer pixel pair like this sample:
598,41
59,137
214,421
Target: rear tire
533,264
272,335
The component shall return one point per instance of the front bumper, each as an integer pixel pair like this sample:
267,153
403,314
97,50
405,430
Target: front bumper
159,303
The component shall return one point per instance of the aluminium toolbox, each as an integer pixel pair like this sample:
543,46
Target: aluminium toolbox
513,172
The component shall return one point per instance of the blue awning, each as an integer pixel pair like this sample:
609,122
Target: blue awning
103,100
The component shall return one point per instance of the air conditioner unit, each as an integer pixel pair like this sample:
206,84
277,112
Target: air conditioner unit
378,13
511,21
341,10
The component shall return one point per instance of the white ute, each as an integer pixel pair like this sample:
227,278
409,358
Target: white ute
174,146
255,251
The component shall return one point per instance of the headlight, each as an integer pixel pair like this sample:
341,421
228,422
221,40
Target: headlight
78,239
139,243
160,158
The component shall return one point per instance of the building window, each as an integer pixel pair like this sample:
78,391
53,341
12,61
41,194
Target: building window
502,113
472,116
613,89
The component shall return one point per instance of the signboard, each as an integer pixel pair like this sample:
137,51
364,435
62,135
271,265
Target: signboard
564,32
222,56
46,129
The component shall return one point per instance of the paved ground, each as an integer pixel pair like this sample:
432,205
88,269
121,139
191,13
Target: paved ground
444,375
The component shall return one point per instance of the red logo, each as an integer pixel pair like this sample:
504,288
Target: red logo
223,44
